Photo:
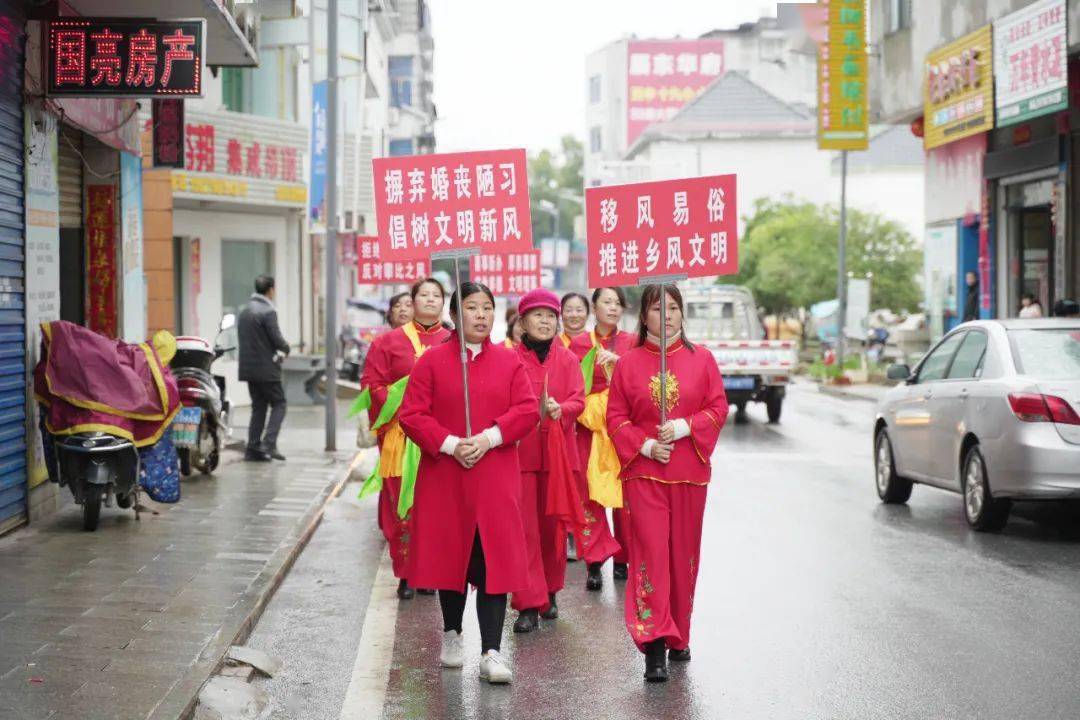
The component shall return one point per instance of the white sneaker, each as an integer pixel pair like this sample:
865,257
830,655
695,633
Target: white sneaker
453,649
494,669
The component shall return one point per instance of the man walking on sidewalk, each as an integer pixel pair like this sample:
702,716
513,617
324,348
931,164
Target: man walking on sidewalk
260,343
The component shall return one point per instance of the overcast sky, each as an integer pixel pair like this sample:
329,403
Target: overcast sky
511,73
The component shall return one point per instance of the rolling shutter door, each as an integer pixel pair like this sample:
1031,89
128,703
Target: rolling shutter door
12,243
69,179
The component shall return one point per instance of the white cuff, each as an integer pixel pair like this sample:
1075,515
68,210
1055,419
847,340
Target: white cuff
494,436
682,428
449,445
647,446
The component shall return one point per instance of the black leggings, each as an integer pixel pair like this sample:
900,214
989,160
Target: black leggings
490,609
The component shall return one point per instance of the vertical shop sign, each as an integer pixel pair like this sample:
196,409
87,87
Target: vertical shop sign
985,277
168,132
843,98
317,192
101,258
131,213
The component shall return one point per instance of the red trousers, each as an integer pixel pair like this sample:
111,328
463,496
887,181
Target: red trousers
665,545
621,520
394,529
599,542
545,544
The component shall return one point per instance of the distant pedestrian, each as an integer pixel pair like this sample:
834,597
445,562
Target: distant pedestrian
1030,307
400,311
971,301
261,347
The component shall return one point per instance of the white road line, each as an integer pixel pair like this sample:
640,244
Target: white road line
371,673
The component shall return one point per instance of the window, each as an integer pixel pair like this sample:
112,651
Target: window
1047,354
969,358
401,147
936,364
594,89
401,80
241,262
596,138
898,15
233,83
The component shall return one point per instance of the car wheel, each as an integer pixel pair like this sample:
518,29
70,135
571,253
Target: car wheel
983,512
891,488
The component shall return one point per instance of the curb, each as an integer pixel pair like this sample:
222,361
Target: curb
182,700
843,394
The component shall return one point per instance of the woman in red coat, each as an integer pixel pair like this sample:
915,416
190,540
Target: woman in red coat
665,471
467,512
608,305
575,315
555,374
391,357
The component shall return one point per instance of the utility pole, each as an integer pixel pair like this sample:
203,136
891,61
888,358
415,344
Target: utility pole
841,264
330,256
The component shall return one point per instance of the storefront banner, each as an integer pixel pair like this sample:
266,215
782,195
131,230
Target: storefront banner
101,259
42,198
958,89
1030,62
372,270
131,214
461,201
664,75
686,227
513,274
843,95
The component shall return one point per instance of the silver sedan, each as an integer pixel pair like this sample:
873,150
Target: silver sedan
990,412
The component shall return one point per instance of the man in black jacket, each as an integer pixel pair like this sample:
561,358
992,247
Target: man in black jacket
260,342
971,299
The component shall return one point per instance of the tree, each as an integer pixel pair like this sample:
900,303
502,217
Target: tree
789,250
554,176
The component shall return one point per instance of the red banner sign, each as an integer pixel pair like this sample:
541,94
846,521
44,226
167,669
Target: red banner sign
101,260
509,274
168,132
664,75
458,201
675,227
371,269
124,57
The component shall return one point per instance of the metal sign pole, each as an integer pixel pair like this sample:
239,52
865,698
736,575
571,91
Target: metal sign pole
663,353
330,258
461,339
841,265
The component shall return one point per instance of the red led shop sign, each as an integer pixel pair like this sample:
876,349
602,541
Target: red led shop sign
123,57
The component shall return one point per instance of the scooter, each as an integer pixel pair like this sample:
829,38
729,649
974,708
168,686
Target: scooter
97,466
204,423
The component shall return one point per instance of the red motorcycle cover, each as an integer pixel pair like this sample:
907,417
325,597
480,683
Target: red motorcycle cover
89,383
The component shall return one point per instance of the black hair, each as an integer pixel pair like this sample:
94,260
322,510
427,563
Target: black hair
619,293
652,295
465,290
264,284
570,296
415,289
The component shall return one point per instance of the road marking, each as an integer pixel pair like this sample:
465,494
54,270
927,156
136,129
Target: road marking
367,689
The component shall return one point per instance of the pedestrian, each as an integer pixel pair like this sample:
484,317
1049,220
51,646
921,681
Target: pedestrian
262,346
575,315
467,526
555,374
391,358
665,473
1030,307
400,311
971,300
513,330
599,480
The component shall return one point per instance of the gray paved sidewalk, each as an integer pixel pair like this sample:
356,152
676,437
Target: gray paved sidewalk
868,391
128,621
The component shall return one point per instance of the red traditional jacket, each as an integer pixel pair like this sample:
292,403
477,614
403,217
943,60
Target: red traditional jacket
391,357
695,392
562,372
618,342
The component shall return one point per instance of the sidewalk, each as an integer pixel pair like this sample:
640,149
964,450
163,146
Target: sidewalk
868,392
130,621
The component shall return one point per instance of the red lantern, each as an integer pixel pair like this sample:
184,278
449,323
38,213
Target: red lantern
917,127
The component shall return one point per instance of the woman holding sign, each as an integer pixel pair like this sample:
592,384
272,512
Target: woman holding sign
467,526
548,456
599,350
389,363
665,474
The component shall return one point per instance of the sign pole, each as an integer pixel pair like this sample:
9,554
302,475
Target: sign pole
663,353
330,259
841,264
461,339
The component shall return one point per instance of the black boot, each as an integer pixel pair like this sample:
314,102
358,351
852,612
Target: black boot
527,621
656,662
596,580
619,571
404,592
553,610
679,655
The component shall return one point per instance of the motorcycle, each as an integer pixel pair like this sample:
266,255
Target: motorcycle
98,466
204,423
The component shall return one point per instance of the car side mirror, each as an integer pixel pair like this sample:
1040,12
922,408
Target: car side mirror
898,372
227,322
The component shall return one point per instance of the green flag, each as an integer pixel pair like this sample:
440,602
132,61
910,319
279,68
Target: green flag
394,394
588,366
373,484
410,463
361,403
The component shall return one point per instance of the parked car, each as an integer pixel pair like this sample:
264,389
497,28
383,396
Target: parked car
990,412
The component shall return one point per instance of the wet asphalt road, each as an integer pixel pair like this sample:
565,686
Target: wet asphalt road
814,601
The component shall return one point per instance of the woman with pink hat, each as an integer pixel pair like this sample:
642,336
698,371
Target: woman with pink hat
548,457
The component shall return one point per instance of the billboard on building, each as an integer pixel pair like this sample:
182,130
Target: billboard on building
1030,62
664,75
843,109
958,89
